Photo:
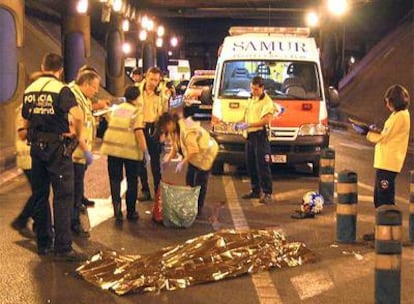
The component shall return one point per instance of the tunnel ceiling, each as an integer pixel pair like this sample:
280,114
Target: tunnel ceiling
199,22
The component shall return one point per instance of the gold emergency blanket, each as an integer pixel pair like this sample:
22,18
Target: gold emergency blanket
210,257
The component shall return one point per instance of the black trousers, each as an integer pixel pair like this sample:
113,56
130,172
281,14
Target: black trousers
143,177
79,188
50,167
132,170
28,209
384,190
198,177
257,151
154,149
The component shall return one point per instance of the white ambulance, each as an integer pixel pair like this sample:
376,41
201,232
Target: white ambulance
288,61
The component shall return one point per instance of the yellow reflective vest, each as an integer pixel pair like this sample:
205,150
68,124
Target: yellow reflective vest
392,144
195,139
23,159
89,123
119,139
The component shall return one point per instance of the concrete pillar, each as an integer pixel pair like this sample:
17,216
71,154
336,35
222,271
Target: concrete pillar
162,59
148,56
76,39
12,73
114,68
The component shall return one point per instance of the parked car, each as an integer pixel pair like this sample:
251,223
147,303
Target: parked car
197,97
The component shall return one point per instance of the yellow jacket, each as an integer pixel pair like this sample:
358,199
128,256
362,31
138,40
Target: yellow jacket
257,109
23,159
119,139
195,139
392,143
89,122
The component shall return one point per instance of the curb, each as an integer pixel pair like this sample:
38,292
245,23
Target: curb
10,174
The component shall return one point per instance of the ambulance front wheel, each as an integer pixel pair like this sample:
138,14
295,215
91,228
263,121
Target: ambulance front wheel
315,168
218,168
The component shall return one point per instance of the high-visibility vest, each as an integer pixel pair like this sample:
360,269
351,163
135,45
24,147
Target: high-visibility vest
89,123
119,139
23,159
208,147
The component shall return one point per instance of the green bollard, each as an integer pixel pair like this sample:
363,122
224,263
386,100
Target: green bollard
346,208
411,208
327,175
388,247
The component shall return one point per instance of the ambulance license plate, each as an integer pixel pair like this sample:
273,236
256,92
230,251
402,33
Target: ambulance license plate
279,159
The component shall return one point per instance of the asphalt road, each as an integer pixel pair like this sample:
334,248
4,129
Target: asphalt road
341,274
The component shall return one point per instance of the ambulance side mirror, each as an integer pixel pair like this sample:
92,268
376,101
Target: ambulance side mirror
333,97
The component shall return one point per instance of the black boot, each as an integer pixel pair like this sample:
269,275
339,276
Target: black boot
117,211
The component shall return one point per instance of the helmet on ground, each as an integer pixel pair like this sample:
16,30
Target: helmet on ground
312,203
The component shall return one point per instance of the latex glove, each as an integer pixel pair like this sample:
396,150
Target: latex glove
147,157
241,126
88,157
179,167
360,130
374,128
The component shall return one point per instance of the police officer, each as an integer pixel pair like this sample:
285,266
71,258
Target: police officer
46,105
124,143
198,148
85,87
259,113
152,100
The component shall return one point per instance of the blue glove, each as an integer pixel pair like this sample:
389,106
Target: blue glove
179,167
363,130
147,157
241,126
88,157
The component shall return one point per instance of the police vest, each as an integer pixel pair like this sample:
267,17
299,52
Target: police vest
23,159
89,123
119,139
40,106
208,147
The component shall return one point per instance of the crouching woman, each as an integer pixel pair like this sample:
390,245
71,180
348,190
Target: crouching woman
199,150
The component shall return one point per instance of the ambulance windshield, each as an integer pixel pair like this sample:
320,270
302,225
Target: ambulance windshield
282,79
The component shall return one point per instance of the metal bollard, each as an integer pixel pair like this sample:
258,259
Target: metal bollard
346,209
327,175
411,208
388,246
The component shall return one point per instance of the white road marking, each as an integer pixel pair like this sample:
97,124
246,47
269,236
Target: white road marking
398,198
356,146
103,209
311,284
265,289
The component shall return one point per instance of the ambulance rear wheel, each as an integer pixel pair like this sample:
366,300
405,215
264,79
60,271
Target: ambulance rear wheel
218,168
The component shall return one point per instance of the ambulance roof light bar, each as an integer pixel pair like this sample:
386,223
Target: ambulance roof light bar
204,72
291,31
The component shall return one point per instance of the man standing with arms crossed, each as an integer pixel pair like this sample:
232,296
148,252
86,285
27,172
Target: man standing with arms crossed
46,105
153,108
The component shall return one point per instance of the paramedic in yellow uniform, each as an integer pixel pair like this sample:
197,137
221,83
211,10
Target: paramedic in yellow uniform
391,146
84,88
198,148
259,113
152,100
124,143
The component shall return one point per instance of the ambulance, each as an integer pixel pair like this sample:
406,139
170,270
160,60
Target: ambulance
288,61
